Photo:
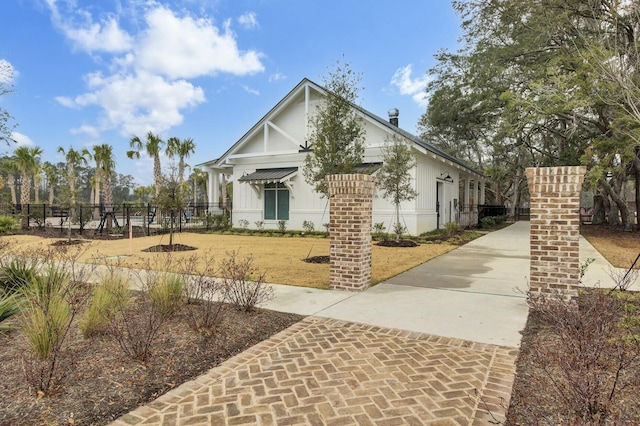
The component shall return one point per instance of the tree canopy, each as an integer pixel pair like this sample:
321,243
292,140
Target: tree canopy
337,134
540,83
6,87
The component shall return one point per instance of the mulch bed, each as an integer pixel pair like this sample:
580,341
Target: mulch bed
397,243
318,259
103,383
166,248
558,358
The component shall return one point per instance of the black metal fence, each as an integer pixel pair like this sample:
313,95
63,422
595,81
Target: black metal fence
142,219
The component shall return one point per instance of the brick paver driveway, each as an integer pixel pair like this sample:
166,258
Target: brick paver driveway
330,372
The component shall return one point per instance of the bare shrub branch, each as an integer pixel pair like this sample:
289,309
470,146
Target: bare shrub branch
243,285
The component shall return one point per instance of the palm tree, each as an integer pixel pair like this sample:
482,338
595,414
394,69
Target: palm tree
183,149
8,167
37,180
201,178
27,159
143,192
105,167
153,148
74,159
51,173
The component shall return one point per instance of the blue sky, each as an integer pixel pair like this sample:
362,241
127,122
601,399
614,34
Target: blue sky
99,71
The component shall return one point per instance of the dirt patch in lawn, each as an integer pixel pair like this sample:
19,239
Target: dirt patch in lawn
103,384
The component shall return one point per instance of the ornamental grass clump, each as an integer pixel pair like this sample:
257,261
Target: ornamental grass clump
52,302
167,293
108,297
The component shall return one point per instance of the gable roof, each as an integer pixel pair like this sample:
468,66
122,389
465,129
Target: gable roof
385,123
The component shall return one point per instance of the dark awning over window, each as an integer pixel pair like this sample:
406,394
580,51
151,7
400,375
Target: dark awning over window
269,175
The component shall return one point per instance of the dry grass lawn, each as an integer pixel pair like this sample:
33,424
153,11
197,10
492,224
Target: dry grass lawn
618,247
280,257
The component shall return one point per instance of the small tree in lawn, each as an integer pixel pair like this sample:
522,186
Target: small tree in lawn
394,178
171,199
337,137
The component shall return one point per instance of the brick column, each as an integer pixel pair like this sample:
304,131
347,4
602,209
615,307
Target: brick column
350,208
555,229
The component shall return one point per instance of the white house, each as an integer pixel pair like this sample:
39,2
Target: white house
266,168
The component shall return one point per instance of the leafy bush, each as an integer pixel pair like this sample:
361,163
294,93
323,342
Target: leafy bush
282,225
110,295
243,286
379,230
487,222
9,224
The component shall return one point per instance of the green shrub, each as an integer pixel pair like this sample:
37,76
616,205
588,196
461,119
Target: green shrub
16,275
10,304
379,230
450,228
9,224
487,222
167,294
107,298
282,225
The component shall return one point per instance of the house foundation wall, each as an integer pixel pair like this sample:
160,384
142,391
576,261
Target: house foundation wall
350,209
555,229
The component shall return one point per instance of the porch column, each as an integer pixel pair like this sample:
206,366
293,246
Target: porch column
467,191
476,200
482,191
350,210
214,190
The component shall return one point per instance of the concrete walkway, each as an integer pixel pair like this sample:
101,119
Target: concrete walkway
434,345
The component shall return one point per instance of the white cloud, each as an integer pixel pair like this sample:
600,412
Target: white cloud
250,90
78,26
137,103
249,20
145,87
412,87
186,48
21,139
277,77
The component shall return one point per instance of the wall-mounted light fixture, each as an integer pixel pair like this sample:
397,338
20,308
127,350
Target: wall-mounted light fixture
446,177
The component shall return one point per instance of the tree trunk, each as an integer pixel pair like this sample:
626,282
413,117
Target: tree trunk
622,208
25,192
11,182
108,203
599,213
636,169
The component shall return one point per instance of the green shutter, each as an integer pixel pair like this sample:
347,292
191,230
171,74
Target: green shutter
283,204
269,204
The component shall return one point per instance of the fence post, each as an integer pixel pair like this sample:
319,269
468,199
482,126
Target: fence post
146,219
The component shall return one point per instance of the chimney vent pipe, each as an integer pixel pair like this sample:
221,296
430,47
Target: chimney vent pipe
393,116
